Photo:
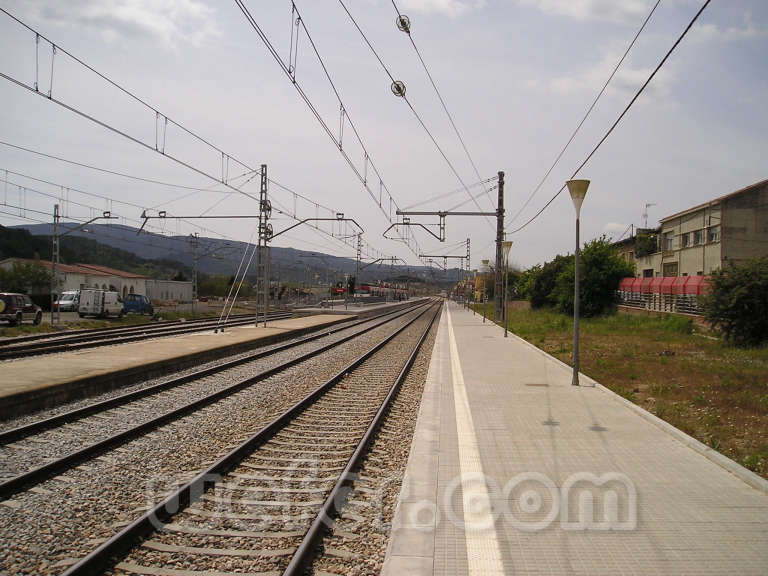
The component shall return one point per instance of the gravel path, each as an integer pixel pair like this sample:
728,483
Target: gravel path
357,543
43,530
27,453
29,418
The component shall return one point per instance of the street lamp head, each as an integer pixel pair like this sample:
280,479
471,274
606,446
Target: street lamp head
507,246
339,215
578,190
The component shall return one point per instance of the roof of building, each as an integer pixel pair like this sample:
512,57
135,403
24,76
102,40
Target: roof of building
110,271
716,200
68,268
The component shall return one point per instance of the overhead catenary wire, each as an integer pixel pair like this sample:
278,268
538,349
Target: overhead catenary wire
442,102
586,115
621,116
360,173
417,115
123,133
444,195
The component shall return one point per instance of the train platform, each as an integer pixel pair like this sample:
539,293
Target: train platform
513,470
35,383
359,307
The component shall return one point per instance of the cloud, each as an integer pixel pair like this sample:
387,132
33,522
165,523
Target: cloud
626,81
622,11
614,229
451,8
713,32
172,22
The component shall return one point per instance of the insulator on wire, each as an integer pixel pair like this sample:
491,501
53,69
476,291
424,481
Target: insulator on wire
403,23
398,88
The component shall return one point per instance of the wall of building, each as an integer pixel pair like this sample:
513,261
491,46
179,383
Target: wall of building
168,290
745,226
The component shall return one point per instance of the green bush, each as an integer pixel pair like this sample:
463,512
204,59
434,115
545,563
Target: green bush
737,305
601,268
543,292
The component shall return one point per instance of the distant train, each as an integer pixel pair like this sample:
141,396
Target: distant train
382,289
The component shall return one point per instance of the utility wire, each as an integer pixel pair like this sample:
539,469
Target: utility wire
417,115
448,194
442,102
621,116
289,71
112,172
589,111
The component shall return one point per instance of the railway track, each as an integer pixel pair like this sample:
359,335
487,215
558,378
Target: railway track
263,506
35,452
48,344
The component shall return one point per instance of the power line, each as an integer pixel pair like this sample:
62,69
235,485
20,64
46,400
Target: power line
448,194
113,172
289,69
416,114
621,116
442,101
589,111
68,189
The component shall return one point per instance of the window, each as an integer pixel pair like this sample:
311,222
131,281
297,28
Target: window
670,269
669,241
648,273
714,234
698,237
685,240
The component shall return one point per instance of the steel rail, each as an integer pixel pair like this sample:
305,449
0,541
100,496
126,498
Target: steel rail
42,473
103,556
95,341
338,495
76,414
11,341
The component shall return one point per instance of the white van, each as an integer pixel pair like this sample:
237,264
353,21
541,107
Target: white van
101,303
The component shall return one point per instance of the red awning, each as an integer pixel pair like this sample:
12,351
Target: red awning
656,285
678,286
667,284
697,285
626,284
645,285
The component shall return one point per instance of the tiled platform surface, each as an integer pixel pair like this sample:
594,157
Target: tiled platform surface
502,435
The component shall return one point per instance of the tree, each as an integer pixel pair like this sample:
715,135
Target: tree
737,304
25,277
545,282
601,268
645,244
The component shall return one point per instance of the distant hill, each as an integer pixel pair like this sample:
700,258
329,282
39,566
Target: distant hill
20,243
160,256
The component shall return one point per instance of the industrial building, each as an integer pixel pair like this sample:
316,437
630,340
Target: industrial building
727,230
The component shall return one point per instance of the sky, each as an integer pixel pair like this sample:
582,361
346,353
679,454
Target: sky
517,77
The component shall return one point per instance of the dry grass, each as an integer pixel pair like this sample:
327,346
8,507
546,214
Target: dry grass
716,393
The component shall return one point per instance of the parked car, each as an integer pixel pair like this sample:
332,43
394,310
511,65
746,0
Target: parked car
101,303
17,308
138,304
68,301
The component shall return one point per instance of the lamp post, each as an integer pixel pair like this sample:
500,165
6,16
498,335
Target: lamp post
485,288
506,246
578,190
